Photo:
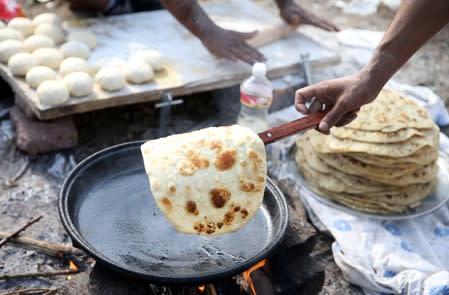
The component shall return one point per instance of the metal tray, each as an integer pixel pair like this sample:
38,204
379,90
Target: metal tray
106,206
435,200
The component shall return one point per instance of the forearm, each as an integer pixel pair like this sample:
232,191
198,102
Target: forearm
282,3
415,22
190,15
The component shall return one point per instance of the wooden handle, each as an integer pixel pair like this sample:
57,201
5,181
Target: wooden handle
290,128
271,34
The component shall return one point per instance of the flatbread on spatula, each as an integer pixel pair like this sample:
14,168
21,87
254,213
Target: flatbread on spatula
210,181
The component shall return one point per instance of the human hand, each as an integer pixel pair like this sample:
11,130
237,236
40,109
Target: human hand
295,15
231,45
343,96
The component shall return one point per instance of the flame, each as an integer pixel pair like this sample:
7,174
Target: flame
72,266
247,277
201,288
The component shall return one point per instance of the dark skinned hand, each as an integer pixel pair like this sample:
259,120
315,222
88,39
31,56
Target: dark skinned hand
343,96
295,15
231,45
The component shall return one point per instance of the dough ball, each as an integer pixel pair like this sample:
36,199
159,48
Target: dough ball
53,92
75,49
73,64
21,63
53,32
151,57
110,79
10,34
8,48
38,41
79,84
23,25
138,72
47,18
39,74
49,57
86,37
103,62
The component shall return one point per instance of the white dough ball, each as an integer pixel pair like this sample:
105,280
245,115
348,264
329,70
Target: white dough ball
21,63
79,84
103,62
38,41
73,64
47,18
110,79
53,92
137,72
35,76
53,32
10,34
75,49
23,25
86,37
151,57
49,57
8,48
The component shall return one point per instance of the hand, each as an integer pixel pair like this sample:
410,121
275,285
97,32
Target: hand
294,15
343,97
231,45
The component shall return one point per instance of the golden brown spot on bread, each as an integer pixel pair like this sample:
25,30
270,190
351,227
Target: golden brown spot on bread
244,213
172,189
191,207
257,161
236,208
167,203
247,186
243,164
422,113
215,145
228,218
260,179
225,159
192,163
219,196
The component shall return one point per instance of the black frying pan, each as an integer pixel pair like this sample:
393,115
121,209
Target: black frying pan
106,207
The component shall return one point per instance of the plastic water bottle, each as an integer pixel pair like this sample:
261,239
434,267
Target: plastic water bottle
256,95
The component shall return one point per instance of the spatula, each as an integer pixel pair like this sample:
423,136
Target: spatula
290,128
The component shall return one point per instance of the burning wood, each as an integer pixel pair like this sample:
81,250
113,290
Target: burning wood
21,229
255,280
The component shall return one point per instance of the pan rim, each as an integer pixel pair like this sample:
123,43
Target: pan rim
80,242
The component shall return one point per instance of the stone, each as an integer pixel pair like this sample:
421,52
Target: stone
37,137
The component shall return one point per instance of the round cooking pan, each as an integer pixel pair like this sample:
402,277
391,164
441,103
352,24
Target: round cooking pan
106,206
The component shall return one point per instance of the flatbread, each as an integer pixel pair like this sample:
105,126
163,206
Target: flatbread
210,181
390,112
378,136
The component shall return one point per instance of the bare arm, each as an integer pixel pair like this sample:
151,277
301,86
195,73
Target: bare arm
415,22
220,42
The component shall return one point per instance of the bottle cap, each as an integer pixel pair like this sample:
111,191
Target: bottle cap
259,69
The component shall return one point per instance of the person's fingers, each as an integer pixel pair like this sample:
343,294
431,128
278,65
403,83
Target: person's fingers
292,18
346,119
301,97
240,54
321,23
333,117
253,52
315,106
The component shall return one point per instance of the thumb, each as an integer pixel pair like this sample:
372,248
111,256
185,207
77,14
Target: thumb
332,118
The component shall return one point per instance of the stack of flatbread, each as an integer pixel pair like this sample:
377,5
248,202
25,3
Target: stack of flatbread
384,161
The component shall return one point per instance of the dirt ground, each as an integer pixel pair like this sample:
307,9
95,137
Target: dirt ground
37,191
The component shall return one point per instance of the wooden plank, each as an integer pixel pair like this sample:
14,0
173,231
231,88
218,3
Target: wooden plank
188,67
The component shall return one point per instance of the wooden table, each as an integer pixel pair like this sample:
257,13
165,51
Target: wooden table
188,66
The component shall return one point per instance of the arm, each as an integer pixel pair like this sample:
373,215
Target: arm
220,42
295,15
415,22
88,5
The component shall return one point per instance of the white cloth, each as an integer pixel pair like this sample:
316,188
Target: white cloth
382,257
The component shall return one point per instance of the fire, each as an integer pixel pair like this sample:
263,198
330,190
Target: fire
72,266
247,277
201,288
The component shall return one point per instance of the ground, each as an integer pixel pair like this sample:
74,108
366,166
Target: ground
37,191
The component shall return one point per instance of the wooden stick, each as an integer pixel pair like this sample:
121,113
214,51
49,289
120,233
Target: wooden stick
38,274
13,181
21,229
52,249
29,291
211,289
